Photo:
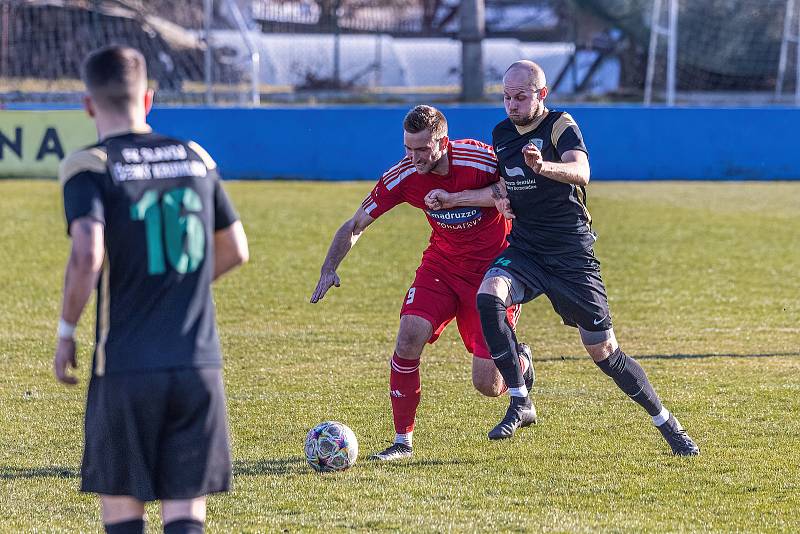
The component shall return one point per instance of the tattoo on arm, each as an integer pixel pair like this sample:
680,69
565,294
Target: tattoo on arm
496,193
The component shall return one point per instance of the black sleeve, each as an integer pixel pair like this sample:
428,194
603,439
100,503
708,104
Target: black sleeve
224,213
83,198
571,139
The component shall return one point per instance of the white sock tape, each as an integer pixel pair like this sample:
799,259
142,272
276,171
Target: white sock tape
661,418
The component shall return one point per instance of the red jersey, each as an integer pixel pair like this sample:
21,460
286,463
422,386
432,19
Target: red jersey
468,238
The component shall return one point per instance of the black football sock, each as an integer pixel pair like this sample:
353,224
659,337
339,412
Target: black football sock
631,378
134,526
513,332
502,342
184,526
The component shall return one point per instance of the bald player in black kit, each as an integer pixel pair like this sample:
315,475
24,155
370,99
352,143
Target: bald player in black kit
544,166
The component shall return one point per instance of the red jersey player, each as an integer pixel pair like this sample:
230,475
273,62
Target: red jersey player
463,242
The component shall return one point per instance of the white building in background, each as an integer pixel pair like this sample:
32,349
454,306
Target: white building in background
384,63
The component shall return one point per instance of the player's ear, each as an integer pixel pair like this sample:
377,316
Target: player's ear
88,105
443,142
148,100
543,92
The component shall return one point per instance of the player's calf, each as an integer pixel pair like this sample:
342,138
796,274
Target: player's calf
502,342
631,378
486,379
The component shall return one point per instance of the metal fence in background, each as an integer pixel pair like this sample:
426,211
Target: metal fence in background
251,52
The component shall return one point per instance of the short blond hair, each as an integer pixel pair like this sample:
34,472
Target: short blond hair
426,118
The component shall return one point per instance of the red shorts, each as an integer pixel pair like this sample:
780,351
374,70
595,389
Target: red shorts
439,297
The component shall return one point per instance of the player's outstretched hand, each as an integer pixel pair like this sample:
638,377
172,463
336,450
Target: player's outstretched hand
533,157
439,199
64,359
326,280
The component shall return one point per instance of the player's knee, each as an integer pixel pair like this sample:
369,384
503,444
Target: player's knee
496,287
409,349
600,351
599,345
411,338
410,344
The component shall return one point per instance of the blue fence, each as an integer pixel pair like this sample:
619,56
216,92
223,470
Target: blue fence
361,142
625,143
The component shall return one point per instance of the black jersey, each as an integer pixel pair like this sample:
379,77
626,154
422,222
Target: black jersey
551,217
160,200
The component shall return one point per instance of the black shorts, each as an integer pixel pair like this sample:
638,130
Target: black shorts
157,435
572,282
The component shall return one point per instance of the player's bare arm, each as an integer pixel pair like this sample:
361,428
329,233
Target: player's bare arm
343,240
574,168
491,195
439,199
230,249
80,279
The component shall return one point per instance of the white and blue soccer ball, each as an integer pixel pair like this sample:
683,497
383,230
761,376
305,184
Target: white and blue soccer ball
331,446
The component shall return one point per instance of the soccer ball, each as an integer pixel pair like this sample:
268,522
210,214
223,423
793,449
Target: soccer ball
331,446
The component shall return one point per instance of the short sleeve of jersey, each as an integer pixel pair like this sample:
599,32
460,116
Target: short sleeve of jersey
387,193
81,175
224,213
567,136
83,198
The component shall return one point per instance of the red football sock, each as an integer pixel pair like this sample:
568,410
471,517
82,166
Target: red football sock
404,390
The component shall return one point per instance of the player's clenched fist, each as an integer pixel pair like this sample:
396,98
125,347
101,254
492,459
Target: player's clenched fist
439,199
326,280
533,157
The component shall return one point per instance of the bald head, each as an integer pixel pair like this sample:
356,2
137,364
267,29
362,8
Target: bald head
524,91
116,77
526,70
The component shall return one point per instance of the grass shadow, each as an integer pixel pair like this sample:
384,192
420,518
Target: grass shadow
676,356
681,356
52,471
425,462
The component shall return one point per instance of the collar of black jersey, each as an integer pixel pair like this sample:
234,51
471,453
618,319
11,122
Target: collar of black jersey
528,128
125,131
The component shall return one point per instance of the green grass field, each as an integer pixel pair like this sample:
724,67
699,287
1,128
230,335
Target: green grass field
703,282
